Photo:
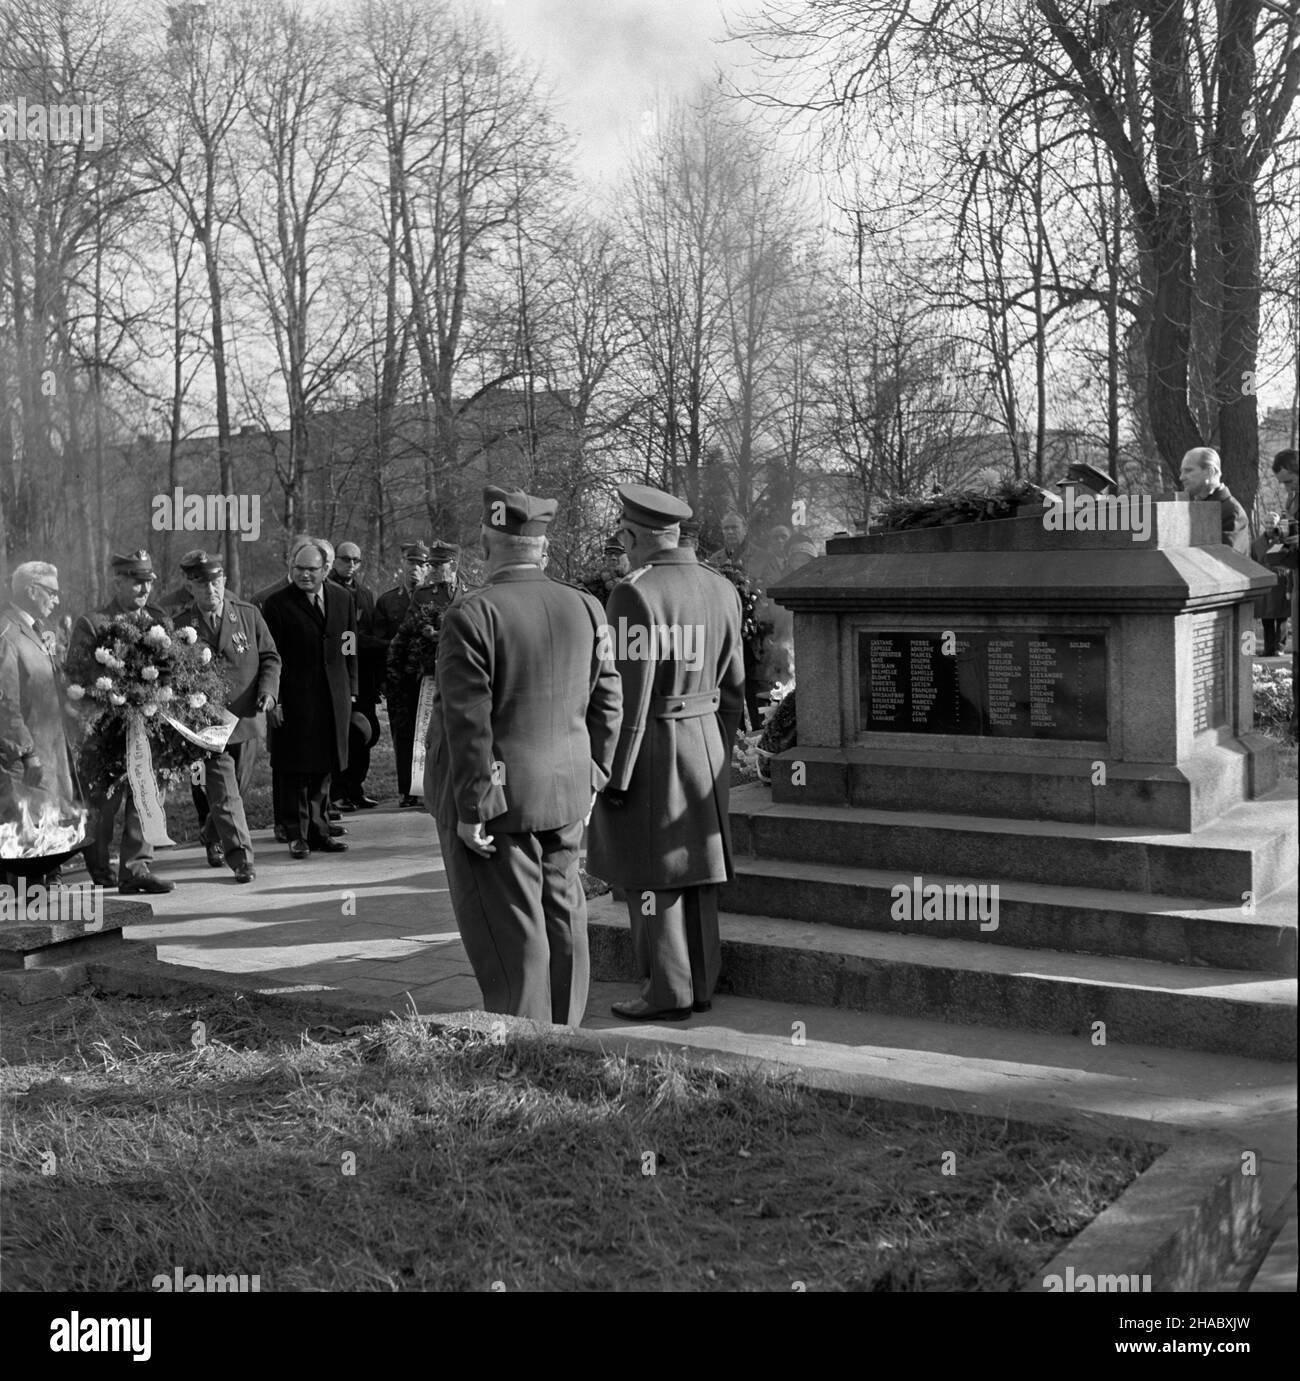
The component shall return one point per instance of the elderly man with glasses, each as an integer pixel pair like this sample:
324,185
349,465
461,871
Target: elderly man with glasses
348,790
314,625
34,758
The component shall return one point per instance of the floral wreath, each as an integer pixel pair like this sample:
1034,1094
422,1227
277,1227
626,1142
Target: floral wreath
137,669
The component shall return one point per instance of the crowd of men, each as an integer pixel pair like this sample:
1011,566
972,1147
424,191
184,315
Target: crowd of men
535,721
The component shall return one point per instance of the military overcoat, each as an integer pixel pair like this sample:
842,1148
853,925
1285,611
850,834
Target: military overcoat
527,711
683,692
32,707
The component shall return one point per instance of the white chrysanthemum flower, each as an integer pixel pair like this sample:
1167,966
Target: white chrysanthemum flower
104,683
205,655
150,710
187,635
76,692
198,699
157,636
116,699
166,694
149,674
103,656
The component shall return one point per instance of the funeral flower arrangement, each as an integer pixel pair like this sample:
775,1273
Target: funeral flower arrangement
600,579
414,649
959,506
755,627
139,671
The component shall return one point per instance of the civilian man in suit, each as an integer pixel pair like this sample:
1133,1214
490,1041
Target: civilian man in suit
314,625
348,791
239,639
133,582
522,737
35,765
660,828
1201,474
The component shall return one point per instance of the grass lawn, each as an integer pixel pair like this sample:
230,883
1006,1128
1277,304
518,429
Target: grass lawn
521,1164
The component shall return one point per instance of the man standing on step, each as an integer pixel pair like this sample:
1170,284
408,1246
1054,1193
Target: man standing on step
525,720
242,645
660,828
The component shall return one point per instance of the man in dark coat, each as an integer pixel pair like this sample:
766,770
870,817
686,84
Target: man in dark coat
660,829
390,610
240,641
1201,474
314,626
408,655
525,721
133,582
349,788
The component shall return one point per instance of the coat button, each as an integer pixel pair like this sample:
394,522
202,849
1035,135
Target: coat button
679,707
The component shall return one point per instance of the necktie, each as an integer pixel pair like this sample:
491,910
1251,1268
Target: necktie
319,601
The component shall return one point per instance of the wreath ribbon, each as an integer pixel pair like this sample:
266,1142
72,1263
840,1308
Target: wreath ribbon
144,785
423,714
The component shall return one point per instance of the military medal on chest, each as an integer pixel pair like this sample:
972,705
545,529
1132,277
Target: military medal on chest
239,638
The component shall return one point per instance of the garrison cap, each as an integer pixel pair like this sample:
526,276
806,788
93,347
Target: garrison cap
651,508
138,564
415,551
444,551
199,565
1080,472
517,513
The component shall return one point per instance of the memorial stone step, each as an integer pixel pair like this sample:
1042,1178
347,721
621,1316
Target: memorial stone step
1251,849
1093,999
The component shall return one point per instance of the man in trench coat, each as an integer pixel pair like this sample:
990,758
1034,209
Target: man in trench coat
314,626
35,764
522,736
660,828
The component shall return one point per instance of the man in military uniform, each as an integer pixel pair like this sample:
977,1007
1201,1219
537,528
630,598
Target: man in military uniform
349,787
390,610
239,639
425,608
660,828
133,582
525,722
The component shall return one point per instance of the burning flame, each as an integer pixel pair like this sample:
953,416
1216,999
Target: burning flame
51,832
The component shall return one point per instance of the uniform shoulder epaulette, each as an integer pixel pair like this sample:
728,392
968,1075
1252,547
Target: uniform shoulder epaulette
633,576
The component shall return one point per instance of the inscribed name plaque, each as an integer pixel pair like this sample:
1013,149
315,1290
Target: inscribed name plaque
1000,684
1209,670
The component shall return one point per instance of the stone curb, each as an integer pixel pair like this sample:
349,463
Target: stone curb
1183,1222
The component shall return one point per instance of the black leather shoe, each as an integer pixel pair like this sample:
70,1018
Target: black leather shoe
347,807
364,803
281,835
216,855
639,1010
298,848
332,814
245,874
108,879
329,846
409,801
144,882
701,1006
336,830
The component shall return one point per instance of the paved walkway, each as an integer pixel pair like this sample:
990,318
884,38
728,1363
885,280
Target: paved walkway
376,923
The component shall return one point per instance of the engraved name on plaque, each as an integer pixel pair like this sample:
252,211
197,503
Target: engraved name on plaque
998,684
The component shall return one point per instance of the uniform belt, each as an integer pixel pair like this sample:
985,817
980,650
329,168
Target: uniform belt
685,706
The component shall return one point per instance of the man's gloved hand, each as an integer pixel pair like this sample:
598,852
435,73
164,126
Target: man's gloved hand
275,717
265,702
617,799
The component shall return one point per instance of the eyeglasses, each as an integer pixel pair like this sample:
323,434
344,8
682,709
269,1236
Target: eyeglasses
309,570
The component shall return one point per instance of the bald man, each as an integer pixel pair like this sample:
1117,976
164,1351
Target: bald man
1202,476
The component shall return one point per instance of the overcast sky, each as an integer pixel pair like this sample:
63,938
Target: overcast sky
610,61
